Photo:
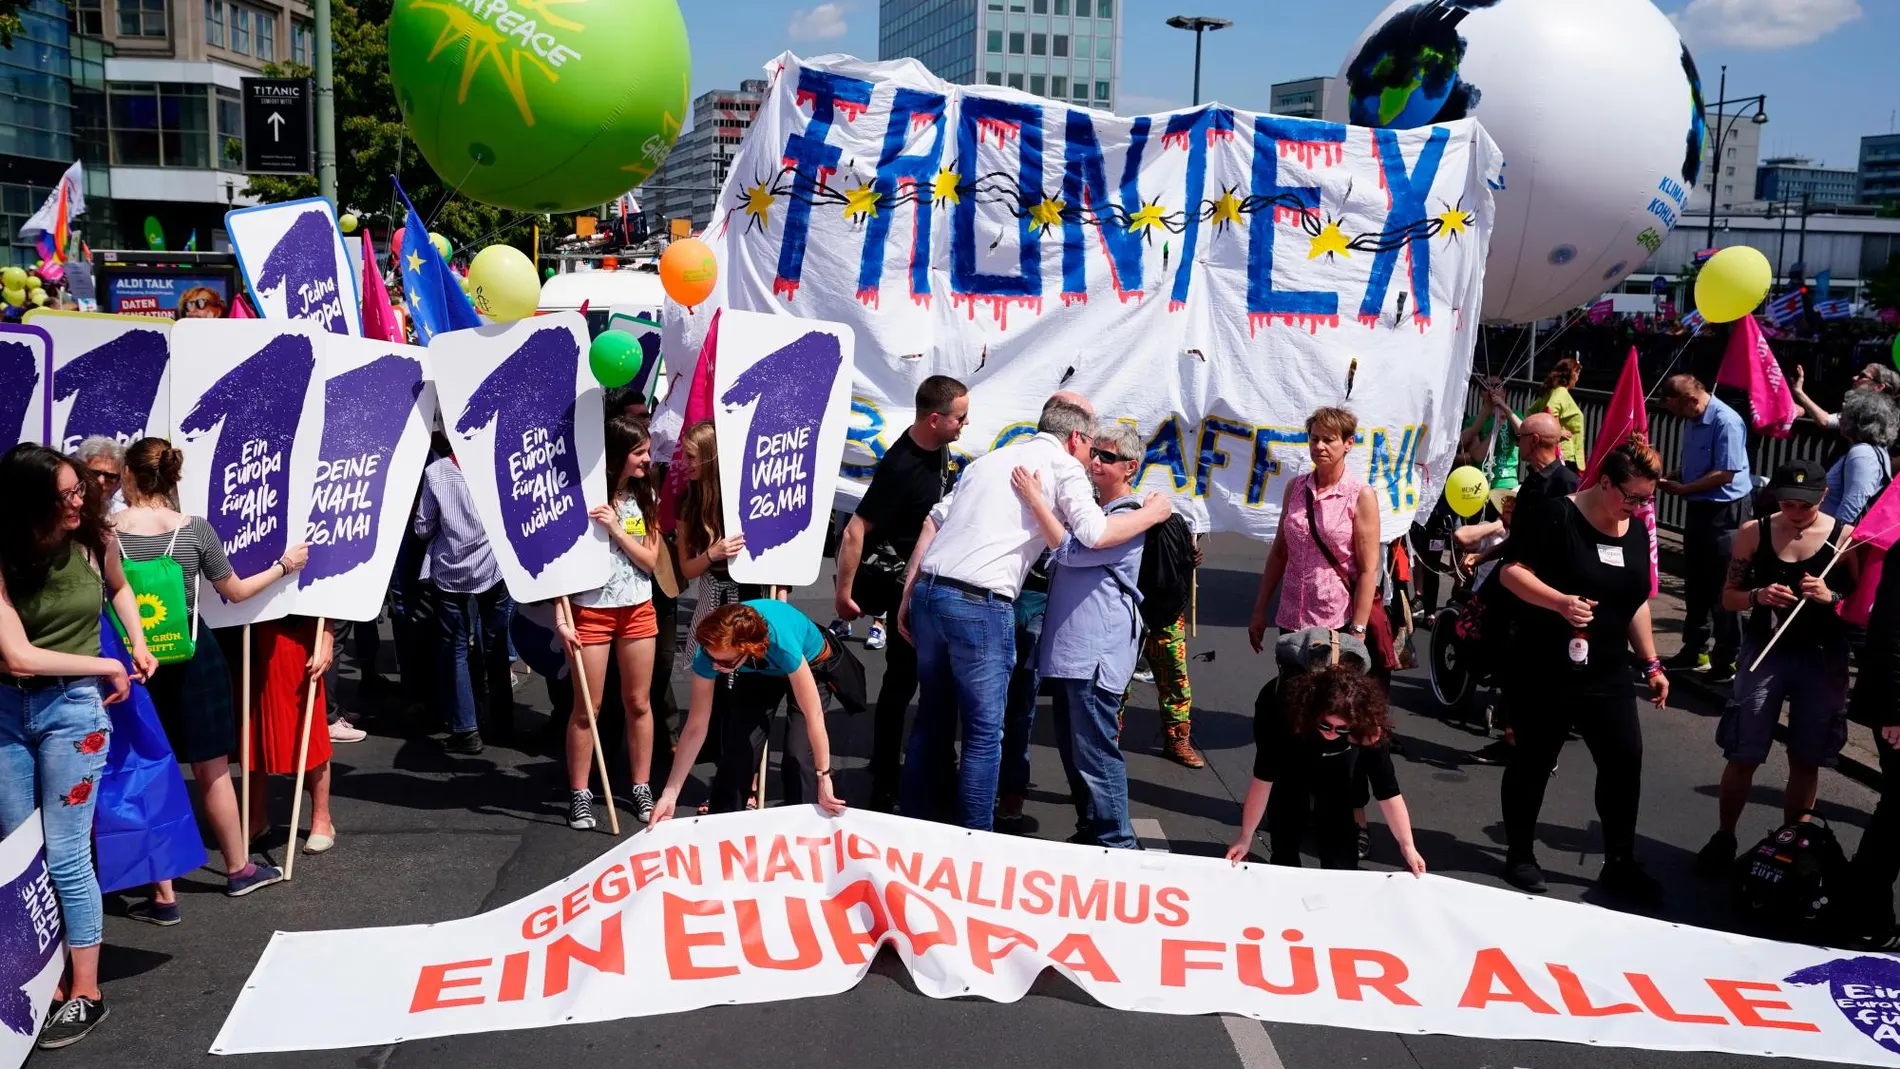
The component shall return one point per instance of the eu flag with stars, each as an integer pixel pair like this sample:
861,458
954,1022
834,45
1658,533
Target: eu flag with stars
434,296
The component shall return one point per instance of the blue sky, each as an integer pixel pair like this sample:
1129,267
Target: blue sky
1830,68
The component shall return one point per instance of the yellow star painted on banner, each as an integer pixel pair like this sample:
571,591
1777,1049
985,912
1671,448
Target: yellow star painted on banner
758,203
1328,241
1227,209
1456,222
415,262
1148,217
861,202
1046,214
943,188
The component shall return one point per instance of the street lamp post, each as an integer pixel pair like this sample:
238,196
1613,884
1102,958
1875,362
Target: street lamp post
1760,101
1199,24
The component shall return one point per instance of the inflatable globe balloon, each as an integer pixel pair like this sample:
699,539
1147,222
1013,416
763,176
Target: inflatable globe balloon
502,283
347,223
1595,105
1466,491
545,107
1732,284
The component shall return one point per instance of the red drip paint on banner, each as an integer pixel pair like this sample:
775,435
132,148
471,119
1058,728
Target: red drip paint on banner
1290,216
1312,323
1069,300
1326,153
999,305
784,288
1003,131
868,296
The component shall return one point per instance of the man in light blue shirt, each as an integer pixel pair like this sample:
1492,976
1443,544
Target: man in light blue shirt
1715,479
1090,635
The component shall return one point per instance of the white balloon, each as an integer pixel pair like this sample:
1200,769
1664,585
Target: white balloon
1595,105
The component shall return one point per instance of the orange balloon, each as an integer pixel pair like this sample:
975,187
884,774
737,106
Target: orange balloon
688,271
611,263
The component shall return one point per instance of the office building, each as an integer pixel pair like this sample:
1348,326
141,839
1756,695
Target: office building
1733,183
1787,179
1304,99
1067,50
1879,177
687,185
49,79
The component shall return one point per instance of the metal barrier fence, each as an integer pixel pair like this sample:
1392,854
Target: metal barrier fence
1808,441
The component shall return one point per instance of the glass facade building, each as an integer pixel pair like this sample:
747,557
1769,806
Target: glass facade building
1067,50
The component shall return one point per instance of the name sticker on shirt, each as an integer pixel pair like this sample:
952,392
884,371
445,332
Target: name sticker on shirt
1610,555
635,526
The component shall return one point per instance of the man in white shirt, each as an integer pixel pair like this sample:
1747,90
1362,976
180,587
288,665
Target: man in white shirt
958,607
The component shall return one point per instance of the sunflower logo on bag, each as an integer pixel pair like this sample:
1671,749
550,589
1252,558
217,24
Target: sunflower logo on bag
151,611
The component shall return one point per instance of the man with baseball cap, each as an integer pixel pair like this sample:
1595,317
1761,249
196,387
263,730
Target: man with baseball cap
1777,565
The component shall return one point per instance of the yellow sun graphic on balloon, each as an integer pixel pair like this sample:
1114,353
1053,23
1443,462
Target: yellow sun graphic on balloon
151,611
480,42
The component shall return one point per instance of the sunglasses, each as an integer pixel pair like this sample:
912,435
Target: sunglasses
107,477
1106,457
1332,730
724,665
199,304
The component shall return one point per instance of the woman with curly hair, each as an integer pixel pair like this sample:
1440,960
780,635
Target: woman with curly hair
59,566
1329,730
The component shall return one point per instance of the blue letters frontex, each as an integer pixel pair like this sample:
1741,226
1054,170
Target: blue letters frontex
981,118
1085,192
897,167
1264,302
812,162
1406,220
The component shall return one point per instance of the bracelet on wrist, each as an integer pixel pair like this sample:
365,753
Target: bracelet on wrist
1653,668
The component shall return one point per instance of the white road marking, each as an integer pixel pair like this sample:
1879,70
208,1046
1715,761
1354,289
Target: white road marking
1251,1042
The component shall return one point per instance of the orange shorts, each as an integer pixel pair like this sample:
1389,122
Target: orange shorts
599,627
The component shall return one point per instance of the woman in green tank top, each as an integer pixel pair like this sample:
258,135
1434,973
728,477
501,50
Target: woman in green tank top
58,560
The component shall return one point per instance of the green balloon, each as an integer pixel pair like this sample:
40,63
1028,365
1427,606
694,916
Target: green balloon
1896,350
615,358
543,109
547,272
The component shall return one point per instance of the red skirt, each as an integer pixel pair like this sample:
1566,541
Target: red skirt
280,685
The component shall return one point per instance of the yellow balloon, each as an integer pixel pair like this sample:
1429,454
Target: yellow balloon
503,284
347,224
1466,490
1732,284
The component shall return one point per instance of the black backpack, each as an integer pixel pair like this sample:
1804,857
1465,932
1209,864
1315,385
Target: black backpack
1786,880
1167,572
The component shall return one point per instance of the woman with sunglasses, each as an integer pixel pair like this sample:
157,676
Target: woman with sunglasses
1874,378
1328,734
59,566
1777,564
762,652
1582,570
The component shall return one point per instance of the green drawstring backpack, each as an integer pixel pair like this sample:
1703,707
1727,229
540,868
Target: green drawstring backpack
171,632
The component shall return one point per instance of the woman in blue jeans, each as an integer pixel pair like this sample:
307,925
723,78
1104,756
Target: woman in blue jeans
58,560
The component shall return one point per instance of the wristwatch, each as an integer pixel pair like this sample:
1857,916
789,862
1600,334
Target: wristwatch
1356,629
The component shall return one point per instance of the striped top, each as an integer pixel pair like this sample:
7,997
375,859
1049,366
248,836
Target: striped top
198,552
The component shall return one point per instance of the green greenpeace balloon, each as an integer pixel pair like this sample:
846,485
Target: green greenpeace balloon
615,358
544,107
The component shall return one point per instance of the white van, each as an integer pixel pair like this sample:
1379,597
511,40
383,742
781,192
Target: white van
601,291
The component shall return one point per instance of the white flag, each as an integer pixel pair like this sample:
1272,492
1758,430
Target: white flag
46,219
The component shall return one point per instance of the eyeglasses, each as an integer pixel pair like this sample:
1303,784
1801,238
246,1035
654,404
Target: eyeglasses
76,495
1106,457
1636,501
1332,730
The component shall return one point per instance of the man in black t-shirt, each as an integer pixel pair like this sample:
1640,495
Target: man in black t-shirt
874,552
1547,479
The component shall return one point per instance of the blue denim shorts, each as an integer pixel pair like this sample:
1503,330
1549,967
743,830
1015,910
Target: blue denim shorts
1811,682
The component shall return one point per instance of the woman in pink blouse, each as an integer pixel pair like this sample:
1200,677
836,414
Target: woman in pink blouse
1325,558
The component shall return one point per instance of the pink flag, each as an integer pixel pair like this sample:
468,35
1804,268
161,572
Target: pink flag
240,308
1750,365
1601,311
1877,530
379,317
699,407
1628,413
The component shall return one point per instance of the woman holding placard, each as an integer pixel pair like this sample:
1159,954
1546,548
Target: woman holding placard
193,697
704,547
618,620
762,652
59,566
289,656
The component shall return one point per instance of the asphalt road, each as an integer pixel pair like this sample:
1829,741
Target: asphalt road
426,837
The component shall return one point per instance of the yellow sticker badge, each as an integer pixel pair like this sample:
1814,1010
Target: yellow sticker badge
635,526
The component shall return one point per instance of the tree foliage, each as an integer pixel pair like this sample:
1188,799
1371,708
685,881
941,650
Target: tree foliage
372,145
1883,286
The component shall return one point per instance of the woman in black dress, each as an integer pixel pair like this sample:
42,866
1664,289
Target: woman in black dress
1582,570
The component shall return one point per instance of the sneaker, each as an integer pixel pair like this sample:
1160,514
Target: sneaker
1625,877
840,629
1716,856
1497,753
1687,661
1365,842
1721,673
465,743
154,912
260,876
1144,674
876,640
344,731
1525,876
71,1022
642,803
580,810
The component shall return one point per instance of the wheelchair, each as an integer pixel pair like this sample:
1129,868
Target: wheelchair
1461,657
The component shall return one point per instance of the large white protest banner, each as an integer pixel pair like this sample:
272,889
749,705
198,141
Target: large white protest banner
1210,275
524,416
26,384
781,399
788,903
32,953
247,405
111,376
296,264
378,407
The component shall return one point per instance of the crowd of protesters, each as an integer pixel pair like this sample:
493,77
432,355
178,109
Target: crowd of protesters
1036,569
